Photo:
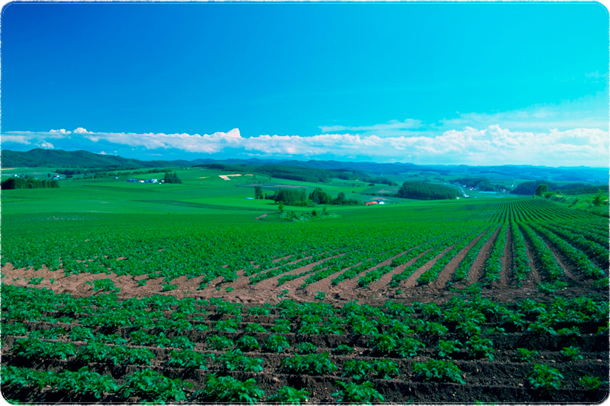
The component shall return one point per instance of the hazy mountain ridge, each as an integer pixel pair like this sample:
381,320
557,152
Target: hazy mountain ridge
85,159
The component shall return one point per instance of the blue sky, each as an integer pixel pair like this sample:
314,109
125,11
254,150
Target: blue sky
461,83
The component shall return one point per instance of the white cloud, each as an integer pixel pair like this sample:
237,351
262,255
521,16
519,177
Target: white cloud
60,132
490,145
45,145
587,112
390,128
19,139
81,130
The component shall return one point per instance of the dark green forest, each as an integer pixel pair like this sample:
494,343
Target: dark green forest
426,191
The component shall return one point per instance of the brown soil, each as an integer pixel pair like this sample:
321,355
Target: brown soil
447,273
478,266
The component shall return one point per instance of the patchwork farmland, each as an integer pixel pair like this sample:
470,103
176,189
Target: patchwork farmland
487,301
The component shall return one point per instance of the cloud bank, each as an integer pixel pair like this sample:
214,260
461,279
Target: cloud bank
490,145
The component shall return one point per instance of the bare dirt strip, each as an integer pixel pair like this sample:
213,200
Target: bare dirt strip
506,274
382,284
346,287
447,272
411,281
476,270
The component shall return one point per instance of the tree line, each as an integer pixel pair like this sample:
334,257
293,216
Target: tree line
531,187
426,191
28,183
298,197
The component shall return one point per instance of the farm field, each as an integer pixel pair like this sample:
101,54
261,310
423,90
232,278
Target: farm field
146,293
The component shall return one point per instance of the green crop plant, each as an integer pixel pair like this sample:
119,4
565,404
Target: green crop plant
357,393
591,382
525,355
228,325
94,351
571,353
259,311
234,360
79,333
438,370
110,339
545,377
386,369
151,340
408,347
247,343
255,328
33,348
311,364
50,334
151,386
16,329
85,382
35,281
105,285
468,328
309,328
343,349
288,395
480,347
446,349
320,295
276,343
360,325
305,348
356,369
281,326
226,389
434,329
220,343
383,343
20,378
569,331
188,359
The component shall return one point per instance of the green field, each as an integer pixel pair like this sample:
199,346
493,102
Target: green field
197,293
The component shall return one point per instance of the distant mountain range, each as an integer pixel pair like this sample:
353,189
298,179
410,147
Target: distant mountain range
84,159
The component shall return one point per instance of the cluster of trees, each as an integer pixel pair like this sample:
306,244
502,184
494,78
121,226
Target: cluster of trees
483,184
542,190
380,180
298,197
171,177
426,191
296,172
28,183
531,188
